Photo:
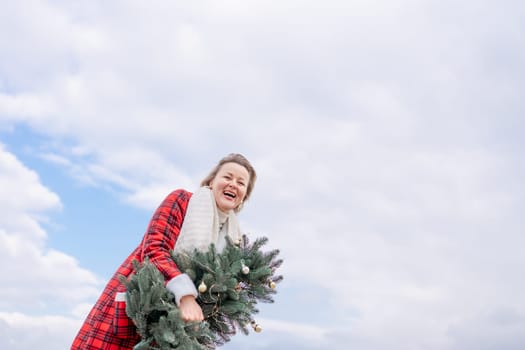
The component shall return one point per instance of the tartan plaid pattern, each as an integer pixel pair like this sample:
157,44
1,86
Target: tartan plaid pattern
107,327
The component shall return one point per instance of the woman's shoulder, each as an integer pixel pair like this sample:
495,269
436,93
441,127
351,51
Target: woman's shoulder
176,198
180,193
181,190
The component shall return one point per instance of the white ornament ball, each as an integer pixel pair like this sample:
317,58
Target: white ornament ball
202,287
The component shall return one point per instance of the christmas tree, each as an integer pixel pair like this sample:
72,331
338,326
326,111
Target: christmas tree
230,284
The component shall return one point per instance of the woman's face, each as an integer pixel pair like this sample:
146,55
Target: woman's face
229,186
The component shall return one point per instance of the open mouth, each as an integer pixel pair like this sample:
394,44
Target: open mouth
229,194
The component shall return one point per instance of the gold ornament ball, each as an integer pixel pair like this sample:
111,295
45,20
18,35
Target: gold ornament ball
257,328
272,284
202,287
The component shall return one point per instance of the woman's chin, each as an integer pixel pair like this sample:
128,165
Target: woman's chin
225,206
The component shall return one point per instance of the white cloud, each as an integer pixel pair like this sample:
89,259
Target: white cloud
21,332
283,334
53,275
385,135
36,279
21,195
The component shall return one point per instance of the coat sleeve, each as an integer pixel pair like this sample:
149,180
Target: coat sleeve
163,231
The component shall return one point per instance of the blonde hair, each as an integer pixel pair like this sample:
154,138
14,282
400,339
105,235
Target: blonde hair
238,159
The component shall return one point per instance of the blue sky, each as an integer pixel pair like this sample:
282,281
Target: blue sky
87,211
387,136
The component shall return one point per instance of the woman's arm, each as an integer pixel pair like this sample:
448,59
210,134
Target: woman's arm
163,231
159,240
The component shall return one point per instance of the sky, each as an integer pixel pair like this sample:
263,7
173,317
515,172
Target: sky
387,136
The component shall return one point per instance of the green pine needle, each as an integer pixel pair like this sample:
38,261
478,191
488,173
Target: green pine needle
228,304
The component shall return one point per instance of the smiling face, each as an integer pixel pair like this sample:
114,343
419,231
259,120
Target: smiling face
229,186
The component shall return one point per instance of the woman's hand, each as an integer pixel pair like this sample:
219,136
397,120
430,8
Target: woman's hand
190,310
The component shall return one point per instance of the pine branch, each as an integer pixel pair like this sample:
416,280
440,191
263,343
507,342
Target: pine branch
230,285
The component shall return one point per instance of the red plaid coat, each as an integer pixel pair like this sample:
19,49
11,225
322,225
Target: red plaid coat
107,326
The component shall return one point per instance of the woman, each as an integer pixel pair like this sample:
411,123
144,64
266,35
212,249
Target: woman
183,221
